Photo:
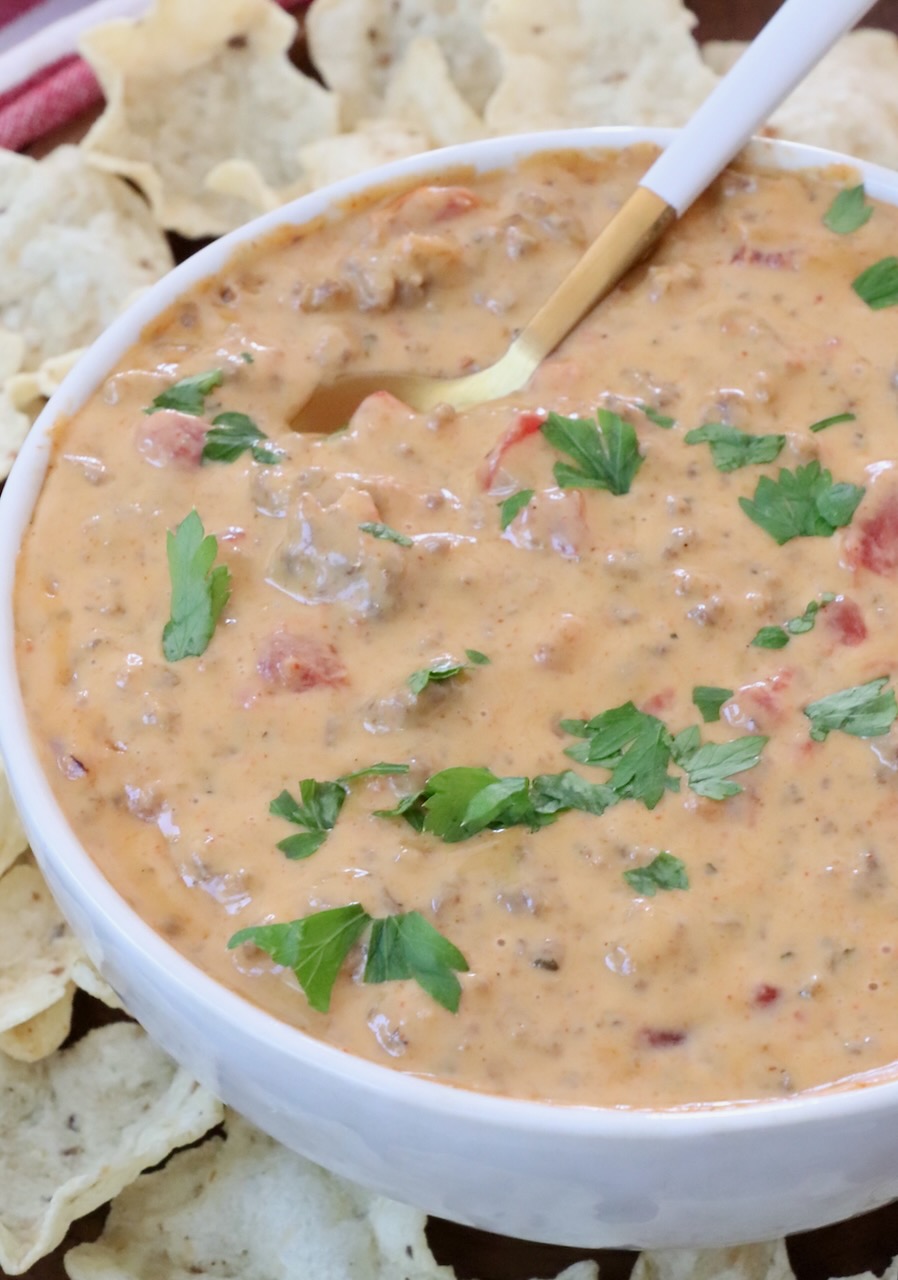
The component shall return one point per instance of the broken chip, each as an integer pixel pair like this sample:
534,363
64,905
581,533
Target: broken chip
189,87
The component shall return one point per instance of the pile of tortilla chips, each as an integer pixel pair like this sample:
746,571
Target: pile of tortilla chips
207,122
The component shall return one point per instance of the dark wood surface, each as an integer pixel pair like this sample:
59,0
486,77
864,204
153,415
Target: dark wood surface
866,1243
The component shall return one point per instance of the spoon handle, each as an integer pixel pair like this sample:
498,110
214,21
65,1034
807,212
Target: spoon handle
793,41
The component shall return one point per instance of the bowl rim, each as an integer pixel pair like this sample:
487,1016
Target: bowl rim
70,860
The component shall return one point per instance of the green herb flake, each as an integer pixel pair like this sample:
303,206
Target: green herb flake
444,669
317,811
803,503
380,770
315,947
512,506
849,211
771,638
188,395
864,711
659,419
663,872
247,357
634,745
385,532
408,946
778,637
878,285
709,698
709,766
231,435
607,451
199,593
833,421
732,449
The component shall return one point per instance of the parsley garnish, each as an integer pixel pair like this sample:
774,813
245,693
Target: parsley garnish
831,422
319,809
778,637
864,711
709,766
638,748
659,419
512,506
380,770
408,946
732,448
247,357
231,434
633,744
607,453
444,669
663,872
199,593
878,285
803,503
709,698
188,395
384,531
848,211
314,947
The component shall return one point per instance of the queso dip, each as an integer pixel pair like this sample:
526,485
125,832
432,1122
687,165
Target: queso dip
548,749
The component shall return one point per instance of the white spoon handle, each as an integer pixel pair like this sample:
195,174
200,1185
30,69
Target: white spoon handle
795,38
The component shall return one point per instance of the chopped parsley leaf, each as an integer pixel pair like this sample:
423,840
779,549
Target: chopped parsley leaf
476,658
381,770
317,811
314,947
408,946
663,872
189,394
778,637
608,453
660,419
732,448
378,530
444,669
803,503
710,765
247,357
512,506
634,745
832,421
199,593
878,285
864,711
231,435
848,211
709,698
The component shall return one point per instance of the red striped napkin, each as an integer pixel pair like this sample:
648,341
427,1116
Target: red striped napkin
54,95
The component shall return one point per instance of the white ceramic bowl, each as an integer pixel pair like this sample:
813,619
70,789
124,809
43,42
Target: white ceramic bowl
569,1175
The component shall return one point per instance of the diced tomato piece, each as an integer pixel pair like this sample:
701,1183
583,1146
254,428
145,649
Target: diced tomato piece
525,424
845,620
765,993
169,438
756,705
775,259
421,208
298,663
659,702
661,1037
875,544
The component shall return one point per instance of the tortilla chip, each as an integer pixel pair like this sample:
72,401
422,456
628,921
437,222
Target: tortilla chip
596,63
41,1035
245,1207
85,976
14,427
357,44
744,1262
74,245
77,1127
12,353
720,55
13,840
191,86
37,947
422,92
374,142
849,102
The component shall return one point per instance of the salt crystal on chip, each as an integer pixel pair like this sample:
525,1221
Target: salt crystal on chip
79,1126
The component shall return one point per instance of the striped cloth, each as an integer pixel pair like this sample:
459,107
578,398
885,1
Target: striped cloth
43,82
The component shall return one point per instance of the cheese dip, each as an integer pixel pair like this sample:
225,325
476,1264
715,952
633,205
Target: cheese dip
546,749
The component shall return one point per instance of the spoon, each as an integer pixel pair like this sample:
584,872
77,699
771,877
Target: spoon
793,41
